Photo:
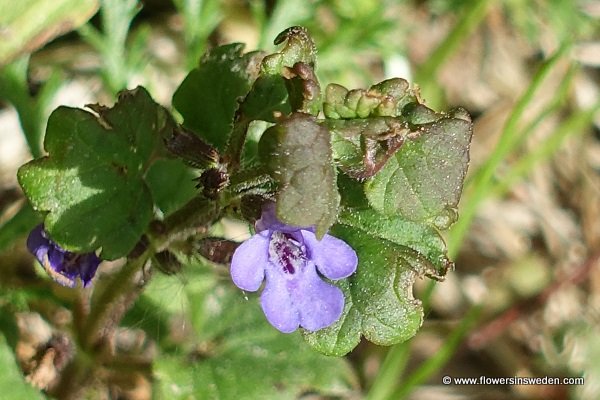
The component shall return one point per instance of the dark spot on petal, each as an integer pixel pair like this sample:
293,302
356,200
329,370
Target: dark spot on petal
286,252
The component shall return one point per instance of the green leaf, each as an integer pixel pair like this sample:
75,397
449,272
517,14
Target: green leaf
351,192
247,358
299,47
422,244
267,97
344,335
209,96
423,180
387,98
298,152
174,379
29,24
90,184
379,300
363,146
171,184
392,253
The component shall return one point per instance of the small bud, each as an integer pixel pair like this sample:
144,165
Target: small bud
212,181
217,250
191,148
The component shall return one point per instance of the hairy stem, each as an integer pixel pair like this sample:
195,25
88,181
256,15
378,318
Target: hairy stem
104,303
233,154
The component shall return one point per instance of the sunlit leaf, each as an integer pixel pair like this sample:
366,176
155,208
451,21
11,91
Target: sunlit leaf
209,96
91,182
392,253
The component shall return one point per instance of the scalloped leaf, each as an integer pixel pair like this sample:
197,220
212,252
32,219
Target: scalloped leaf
91,183
392,253
380,305
423,180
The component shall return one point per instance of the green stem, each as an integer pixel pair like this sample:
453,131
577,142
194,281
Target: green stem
111,301
74,378
249,181
196,215
235,145
104,302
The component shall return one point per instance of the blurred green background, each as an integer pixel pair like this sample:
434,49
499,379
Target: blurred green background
524,299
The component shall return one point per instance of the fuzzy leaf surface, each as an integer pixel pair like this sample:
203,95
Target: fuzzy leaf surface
392,252
423,180
298,152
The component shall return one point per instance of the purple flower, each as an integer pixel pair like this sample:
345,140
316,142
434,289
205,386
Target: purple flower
292,260
62,265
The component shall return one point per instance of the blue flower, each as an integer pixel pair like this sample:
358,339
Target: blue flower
62,265
292,260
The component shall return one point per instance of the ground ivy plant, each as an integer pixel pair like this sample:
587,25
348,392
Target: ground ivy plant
347,191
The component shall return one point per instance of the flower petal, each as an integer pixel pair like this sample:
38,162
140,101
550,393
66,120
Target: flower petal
320,303
55,265
277,304
334,258
268,221
249,261
37,243
87,267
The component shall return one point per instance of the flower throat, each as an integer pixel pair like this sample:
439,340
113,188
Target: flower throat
286,252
